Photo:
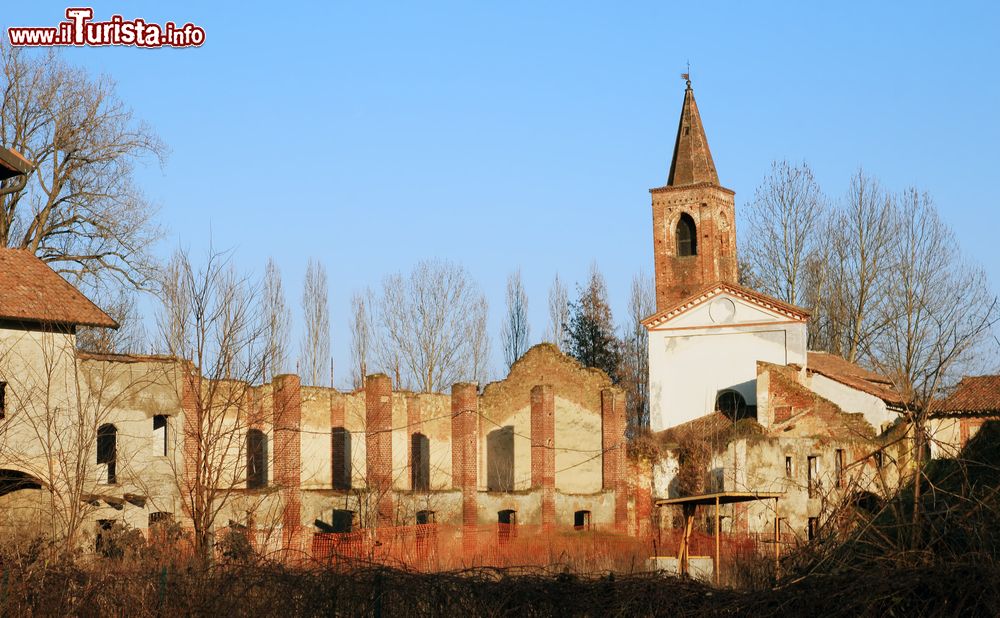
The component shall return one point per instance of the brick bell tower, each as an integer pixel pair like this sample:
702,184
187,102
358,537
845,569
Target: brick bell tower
694,229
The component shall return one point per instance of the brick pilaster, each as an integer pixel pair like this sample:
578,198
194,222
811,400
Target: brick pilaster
287,423
378,444
543,454
464,456
613,446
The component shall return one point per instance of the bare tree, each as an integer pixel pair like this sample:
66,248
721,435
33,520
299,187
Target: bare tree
634,370
278,319
558,312
315,351
80,209
428,323
361,335
515,330
480,343
861,263
130,336
783,227
209,317
937,311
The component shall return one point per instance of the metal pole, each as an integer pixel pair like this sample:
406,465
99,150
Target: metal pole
717,531
777,526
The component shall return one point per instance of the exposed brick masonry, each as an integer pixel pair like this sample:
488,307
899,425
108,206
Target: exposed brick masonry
613,446
287,455
464,461
378,444
543,457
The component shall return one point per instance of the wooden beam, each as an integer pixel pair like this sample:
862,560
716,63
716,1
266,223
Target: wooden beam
717,540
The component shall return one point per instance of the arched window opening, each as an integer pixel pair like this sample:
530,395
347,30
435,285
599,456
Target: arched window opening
500,459
256,459
15,480
341,458
687,239
107,453
732,404
581,520
420,462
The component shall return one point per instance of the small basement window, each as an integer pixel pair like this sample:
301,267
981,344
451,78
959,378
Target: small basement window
581,520
343,520
425,517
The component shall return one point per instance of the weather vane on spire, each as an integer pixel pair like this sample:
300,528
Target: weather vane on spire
687,76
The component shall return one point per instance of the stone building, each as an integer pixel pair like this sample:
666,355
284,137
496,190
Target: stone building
91,439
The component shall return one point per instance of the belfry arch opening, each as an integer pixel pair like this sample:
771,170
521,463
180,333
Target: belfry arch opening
686,235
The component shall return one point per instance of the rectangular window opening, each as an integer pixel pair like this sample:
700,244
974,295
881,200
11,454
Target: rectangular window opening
788,467
3,399
813,527
160,433
839,463
813,479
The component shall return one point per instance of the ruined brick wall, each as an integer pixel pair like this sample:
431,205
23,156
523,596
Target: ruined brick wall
578,420
712,209
796,410
543,461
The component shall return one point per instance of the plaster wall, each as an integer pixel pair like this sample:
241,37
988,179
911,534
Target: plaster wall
852,400
689,367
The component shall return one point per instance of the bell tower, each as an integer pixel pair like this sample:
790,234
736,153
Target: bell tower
694,225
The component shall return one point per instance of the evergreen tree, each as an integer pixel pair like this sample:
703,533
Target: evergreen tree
590,333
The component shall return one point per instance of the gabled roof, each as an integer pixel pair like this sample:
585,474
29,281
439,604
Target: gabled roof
723,287
30,291
853,375
973,395
692,163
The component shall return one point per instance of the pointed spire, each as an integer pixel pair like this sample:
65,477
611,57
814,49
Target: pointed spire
692,162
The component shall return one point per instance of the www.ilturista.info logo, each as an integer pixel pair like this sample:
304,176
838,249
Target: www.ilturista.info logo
79,30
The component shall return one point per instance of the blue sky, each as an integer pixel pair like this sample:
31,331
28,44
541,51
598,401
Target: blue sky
526,134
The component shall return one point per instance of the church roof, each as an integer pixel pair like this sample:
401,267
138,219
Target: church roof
719,287
30,291
692,163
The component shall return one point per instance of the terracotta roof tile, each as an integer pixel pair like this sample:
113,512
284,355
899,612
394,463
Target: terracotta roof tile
855,376
973,394
31,291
